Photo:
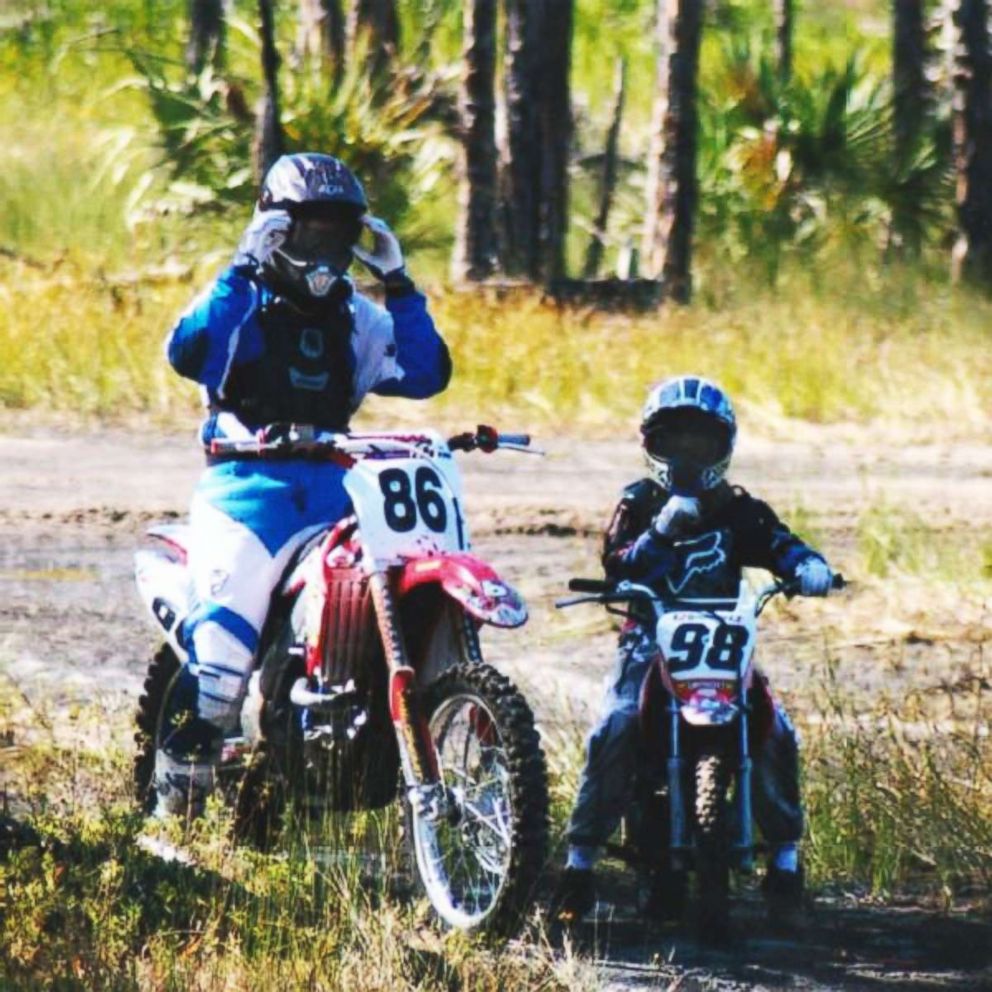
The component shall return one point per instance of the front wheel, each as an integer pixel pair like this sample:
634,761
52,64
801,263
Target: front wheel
712,780
479,860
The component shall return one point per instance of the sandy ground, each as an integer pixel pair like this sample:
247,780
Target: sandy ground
73,508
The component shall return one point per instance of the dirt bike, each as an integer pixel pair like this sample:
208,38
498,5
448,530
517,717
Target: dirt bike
369,677
703,712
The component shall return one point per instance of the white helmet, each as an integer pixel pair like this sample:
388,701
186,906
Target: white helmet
688,430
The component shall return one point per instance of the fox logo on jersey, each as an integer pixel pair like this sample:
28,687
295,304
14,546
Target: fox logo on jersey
698,556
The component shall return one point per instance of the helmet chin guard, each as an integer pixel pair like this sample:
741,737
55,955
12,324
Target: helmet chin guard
321,280
304,280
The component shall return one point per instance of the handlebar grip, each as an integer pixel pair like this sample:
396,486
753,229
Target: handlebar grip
521,440
589,585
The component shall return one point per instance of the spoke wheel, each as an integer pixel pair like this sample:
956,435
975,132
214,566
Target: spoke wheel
478,860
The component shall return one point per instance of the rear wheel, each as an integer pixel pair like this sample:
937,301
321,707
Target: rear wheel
248,782
163,670
479,861
712,780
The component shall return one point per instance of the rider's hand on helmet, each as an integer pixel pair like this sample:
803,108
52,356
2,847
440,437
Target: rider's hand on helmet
385,259
266,233
815,577
677,518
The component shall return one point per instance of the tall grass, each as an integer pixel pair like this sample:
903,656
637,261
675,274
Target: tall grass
71,341
897,800
895,540
84,906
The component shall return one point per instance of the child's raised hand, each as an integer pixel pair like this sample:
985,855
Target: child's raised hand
678,517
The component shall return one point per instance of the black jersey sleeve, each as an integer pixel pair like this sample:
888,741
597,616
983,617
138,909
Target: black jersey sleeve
762,540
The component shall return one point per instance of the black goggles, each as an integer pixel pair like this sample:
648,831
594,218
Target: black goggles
688,435
323,237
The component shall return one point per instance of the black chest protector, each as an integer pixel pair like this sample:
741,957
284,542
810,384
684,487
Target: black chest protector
305,374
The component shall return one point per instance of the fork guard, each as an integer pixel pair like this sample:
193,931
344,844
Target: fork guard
470,582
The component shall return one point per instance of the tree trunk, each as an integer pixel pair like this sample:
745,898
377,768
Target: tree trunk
476,246
522,179
910,91
556,135
378,20
206,34
972,256
672,187
784,18
269,142
321,33
594,253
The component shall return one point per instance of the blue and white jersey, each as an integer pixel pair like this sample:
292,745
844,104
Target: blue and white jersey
262,360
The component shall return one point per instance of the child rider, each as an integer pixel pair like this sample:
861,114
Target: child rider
686,531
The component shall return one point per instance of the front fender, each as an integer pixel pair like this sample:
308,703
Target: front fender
469,581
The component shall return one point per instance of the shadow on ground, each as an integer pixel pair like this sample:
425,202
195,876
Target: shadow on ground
841,945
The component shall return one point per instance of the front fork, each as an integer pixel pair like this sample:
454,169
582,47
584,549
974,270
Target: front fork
743,847
418,757
678,818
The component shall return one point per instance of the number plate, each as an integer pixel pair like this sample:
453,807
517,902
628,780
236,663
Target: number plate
406,507
704,645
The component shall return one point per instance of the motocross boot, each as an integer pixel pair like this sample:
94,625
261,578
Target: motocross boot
666,897
185,767
182,786
574,897
784,893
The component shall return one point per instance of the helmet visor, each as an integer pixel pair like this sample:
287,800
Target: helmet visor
688,436
324,239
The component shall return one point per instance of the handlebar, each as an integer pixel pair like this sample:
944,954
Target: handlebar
486,439
286,440
606,593
590,585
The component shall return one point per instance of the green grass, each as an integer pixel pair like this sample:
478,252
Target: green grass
84,907
895,540
897,800
896,803
78,341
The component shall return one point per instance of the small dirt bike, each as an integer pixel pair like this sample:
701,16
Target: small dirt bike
703,712
369,676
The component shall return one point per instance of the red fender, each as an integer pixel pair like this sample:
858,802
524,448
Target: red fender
469,581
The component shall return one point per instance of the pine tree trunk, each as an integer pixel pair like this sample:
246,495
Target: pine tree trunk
377,19
594,253
972,256
321,33
522,179
910,102
672,185
476,246
784,18
269,142
206,34
556,136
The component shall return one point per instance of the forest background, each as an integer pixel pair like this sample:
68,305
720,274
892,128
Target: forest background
823,244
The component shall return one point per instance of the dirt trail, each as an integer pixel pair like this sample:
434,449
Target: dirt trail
73,507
